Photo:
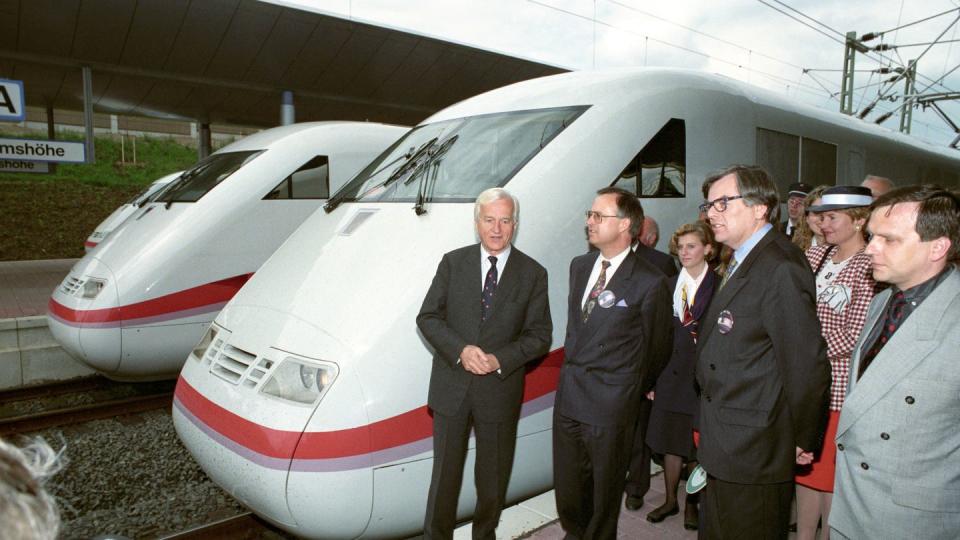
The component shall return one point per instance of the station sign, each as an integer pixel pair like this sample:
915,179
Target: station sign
7,165
12,103
42,150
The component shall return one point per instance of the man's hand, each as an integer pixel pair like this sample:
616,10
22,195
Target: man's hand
474,360
492,363
804,457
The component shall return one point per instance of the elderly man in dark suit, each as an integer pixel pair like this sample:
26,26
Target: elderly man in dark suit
618,315
762,369
486,314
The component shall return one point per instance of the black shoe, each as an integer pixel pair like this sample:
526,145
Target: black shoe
691,517
793,527
660,513
634,503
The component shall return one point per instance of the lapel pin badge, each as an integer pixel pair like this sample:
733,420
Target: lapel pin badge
725,322
606,298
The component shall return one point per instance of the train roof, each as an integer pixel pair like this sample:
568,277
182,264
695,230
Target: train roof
267,137
615,86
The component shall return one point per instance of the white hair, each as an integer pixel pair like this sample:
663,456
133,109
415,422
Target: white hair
494,194
27,511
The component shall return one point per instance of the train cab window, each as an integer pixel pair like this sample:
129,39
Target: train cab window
818,162
205,175
310,181
454,160
659,169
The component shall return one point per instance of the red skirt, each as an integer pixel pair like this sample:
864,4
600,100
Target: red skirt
819,475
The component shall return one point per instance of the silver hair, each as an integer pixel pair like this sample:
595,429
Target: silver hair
27,511
494,194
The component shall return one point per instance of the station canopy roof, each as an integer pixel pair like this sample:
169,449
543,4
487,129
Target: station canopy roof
227,61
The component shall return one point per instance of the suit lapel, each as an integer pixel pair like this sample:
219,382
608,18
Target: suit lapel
470,266
723,297
907,349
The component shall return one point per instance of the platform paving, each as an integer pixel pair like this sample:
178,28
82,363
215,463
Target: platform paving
25,286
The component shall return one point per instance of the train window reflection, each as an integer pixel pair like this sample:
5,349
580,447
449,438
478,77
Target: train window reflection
455,160
310,181
205,175
659,169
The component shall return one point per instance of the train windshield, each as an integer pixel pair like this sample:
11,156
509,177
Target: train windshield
455,160
204,176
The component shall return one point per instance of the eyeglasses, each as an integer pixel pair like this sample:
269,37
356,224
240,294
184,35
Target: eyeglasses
597,216
720,205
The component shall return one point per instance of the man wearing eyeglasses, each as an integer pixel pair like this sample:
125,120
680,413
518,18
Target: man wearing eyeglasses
486,315
618,339
762,370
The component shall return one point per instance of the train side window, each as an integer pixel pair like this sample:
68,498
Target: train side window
310,181
818,162
659,170
779,154
793,158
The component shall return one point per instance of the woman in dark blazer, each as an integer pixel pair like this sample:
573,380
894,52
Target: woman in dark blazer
670,431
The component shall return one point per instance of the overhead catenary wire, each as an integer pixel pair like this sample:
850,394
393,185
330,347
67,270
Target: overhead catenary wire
709,56
871,35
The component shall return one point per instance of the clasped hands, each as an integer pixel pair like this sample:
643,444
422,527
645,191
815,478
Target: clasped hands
474,360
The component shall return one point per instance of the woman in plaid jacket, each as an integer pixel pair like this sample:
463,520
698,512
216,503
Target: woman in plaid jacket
845,287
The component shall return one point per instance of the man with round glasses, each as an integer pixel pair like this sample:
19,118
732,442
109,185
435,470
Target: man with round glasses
762,369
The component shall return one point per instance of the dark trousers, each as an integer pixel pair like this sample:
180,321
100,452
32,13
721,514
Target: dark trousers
589,473
730,510
495,444
638,476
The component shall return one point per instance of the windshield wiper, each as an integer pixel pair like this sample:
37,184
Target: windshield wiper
409,155
428,178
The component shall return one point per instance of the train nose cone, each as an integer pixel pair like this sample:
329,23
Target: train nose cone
84,316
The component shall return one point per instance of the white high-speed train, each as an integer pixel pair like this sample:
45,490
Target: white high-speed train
134,306
306,398
126,210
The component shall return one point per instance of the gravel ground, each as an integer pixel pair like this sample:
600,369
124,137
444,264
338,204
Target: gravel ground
132,477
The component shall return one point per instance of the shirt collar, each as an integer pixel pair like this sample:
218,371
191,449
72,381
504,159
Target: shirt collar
501,257
918,293
740,254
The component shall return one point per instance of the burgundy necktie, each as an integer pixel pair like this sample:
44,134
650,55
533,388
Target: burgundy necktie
489,287
890,325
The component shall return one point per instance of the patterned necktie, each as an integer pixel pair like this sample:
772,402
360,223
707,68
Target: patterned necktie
686,316
890,325
489,287
731,266
596,290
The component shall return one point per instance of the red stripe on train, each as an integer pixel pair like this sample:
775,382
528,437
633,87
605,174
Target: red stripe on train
404,428
202,295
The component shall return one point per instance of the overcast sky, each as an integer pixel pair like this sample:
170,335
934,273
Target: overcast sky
749,40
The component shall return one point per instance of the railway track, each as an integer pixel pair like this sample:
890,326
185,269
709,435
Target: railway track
244,526
84,413
54,389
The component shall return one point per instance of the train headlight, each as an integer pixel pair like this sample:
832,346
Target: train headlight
300,381
205,342
92,287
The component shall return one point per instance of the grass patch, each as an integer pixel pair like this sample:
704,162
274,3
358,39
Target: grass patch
48,216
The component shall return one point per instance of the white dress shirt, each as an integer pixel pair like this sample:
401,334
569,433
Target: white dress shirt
595,273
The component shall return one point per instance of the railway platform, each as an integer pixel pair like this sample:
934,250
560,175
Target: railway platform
28,353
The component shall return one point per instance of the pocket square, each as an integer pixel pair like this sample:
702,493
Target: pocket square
621,303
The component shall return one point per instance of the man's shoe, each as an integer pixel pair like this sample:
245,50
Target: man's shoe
691,517
661,513
634,503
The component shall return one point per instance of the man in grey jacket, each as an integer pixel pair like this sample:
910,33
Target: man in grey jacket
898,447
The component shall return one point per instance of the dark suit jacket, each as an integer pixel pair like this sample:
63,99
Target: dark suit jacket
517,330
618,353
675,388
661,260
764,385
